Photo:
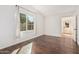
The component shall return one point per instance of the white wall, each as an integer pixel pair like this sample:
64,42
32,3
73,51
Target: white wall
8,25
52,25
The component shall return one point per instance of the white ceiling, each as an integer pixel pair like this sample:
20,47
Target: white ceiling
54,9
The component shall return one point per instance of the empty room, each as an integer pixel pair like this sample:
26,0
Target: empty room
39,29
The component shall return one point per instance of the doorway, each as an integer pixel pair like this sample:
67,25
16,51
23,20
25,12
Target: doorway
69,27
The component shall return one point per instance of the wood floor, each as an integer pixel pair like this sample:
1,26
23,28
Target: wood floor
46,45
54,45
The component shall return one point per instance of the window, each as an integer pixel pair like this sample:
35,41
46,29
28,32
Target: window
26,22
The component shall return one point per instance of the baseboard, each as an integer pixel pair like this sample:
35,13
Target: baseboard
53,35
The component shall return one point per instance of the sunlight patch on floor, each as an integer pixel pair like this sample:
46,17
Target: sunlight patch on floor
26,49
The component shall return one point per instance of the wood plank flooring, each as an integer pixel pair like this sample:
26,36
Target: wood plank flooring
54,45
46,45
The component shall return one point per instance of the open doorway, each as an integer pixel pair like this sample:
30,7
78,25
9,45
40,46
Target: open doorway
69,27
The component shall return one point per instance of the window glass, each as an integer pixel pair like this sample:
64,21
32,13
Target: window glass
30,23
22,22
30,20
